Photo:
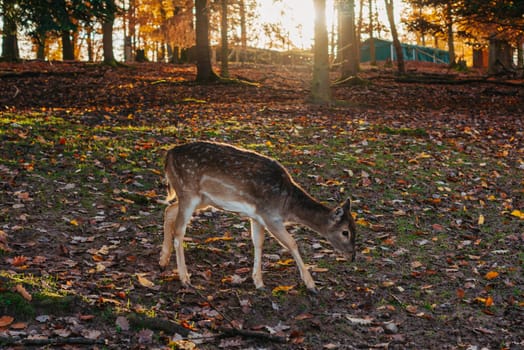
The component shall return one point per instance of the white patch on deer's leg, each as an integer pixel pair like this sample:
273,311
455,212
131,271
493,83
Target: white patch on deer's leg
169,225
281,234
257,235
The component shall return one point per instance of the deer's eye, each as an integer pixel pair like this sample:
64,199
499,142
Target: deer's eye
345,233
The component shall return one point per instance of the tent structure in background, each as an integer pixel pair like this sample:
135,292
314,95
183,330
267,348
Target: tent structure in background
384,51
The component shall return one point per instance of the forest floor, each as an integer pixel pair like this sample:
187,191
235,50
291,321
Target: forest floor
434,164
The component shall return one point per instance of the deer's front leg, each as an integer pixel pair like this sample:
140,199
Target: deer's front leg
257,235
170,215
279,231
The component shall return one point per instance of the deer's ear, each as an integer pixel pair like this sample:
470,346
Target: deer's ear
347,205
339,212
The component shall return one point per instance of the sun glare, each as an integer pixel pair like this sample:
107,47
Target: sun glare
296,18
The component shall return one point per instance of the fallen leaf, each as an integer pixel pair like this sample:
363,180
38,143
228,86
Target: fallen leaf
144,282
412,309
491,275
286,262
517,213
366,321
481,220
19,325
6,321
303,316
122,322
19,261
282,289
23,292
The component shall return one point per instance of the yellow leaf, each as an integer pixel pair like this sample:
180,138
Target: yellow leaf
282,289
225,237
74,222
491,275
362,222
518,214
144,281
481,220
366,250
286,262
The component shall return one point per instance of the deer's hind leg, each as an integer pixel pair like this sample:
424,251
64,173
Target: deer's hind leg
257,235
170,215
186,207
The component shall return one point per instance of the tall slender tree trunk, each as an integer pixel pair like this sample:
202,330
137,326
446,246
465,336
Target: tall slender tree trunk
224,71
451,40
40,45
348,40
9,38
68,52
520,54
243,33
372,54
205,71
394,33
320,87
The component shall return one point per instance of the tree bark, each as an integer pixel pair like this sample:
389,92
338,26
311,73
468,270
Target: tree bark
9,38
451,40
243,33
320,87
205,73
348,49
372,53
107,42
396,42
500,59
68,52
224,71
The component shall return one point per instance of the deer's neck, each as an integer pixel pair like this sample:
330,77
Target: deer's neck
306,210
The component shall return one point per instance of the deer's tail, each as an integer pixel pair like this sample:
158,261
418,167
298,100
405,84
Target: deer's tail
169,173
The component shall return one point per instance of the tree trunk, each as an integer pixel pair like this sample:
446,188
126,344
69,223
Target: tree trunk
9,38
89,41
243,33
205,71
372,54
348,40
451,40
40,47
500,59
107,42
224,71
68,52
320,89
396,42
520,53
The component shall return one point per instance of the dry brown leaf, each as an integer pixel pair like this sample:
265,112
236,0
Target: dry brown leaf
6,321
23,292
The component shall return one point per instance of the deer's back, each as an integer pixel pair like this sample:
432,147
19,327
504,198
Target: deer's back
240,170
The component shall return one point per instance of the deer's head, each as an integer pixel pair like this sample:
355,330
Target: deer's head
341,230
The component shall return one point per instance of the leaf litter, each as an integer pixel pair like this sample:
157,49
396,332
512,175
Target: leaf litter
436,178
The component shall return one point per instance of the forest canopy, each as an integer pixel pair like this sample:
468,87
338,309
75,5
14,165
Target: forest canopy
165,31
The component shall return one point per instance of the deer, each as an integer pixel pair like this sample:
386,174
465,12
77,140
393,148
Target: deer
204,174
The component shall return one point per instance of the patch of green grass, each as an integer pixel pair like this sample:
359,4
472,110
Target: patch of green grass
417,132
